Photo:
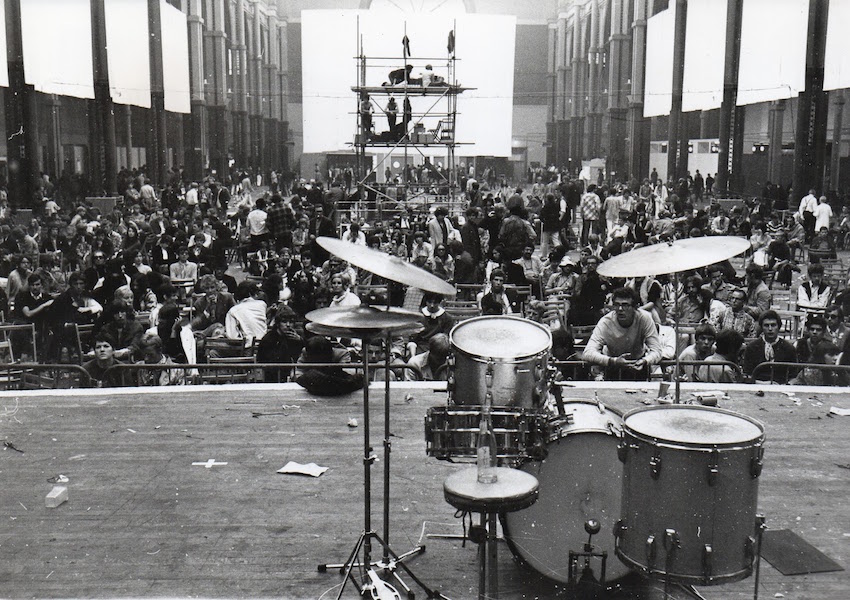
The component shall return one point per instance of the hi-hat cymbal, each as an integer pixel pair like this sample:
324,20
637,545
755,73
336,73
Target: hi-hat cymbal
363,319
387,266
673,257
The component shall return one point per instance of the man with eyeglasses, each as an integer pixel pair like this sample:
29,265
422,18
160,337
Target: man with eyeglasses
835,327
770,348
738,318
625,341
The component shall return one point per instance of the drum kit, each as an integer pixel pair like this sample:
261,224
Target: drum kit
671,490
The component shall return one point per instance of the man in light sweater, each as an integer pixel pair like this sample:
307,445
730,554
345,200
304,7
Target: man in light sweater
625,341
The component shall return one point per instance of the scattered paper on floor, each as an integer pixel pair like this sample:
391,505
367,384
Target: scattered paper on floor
294,468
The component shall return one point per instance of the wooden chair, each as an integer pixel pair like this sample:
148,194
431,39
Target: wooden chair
83,335
228,351
783,299
463,313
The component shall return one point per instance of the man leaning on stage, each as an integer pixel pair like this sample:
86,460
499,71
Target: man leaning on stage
625,341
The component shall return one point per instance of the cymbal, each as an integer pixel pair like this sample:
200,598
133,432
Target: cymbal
345,332
673,257
387,266
362,320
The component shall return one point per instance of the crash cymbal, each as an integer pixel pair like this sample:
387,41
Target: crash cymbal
363,319
345,332
673,257
387,266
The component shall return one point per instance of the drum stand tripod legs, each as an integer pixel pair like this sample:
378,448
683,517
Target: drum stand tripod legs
390,561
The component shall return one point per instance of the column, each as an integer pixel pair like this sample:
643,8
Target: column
241,94
637,125
617,84
591,141
284,95
157,138
217,102
775,122
53,164
730,115
255,62
552,87
21,115
812,107
837,125
128,124
674,149
273,97
577,90
195,125
102,136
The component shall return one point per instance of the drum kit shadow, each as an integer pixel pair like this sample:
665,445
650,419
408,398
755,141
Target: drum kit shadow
670,490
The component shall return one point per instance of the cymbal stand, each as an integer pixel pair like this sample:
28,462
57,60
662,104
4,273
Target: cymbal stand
390,561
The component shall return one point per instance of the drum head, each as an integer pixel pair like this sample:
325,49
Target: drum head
693,425
580,479
500,337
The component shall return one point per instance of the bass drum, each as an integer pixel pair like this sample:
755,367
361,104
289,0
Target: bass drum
580,479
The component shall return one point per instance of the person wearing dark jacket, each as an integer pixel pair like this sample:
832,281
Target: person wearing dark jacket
282,344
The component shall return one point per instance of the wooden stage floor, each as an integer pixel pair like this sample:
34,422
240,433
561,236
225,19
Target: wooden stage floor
144,522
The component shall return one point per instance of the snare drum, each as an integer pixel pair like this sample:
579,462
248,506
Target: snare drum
690,488
580,479
452,433
504,355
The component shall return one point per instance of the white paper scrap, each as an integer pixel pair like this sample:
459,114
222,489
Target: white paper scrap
841,412
295,468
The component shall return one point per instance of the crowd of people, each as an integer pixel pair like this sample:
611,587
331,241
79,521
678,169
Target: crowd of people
163,275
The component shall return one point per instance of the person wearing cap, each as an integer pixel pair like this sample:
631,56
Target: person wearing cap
247,319
564,280
282,344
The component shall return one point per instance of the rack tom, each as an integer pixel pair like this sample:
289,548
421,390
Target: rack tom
503,355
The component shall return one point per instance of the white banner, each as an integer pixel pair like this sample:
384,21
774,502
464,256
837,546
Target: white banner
175,59
773,50
837,60
57,44
657,95
128,47
705,46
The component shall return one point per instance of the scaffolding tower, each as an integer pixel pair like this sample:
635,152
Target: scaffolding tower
408,133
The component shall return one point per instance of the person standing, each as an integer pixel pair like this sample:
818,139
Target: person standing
823,214
807,211
256,222
392,116
590,207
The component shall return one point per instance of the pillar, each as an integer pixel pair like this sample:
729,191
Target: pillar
255,62
812,107
157,138
617,99
217,102
53,164
775,122
591,141
242,147
102,135
730,115
128,125
674,148
637,125
272,114
21,116
837,125
283,128
552,89
195,124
